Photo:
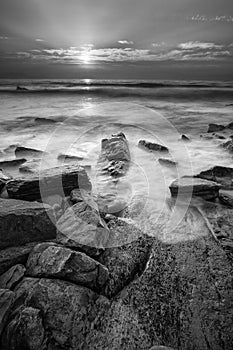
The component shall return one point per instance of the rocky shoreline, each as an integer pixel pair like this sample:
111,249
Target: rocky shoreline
82,274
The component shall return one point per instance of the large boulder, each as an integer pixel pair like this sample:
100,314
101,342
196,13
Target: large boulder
10,278
220,174
53,261
6,302
58,180
68,312
22,222
151,146
15,255
25,331
189,186
82,228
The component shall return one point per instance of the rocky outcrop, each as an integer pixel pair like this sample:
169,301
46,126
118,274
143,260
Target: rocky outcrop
222,175
52,261
25,331
66,310
58,180
5,164
6,301
215,127
3,180
188,186
81,227
152,146
24,152
10,278
167,162
14,255
23,222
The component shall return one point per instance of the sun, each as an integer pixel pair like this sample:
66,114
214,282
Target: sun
85,57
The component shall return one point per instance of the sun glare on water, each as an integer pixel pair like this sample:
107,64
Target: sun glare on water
85,57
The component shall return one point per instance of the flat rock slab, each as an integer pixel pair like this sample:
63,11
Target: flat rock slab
52,261
222,175
6,302
67,311
10,278
24,152
151,146
81,227
193,186
22,222
15,255
58,180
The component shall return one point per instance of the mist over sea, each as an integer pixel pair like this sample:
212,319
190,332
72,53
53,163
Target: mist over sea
72,116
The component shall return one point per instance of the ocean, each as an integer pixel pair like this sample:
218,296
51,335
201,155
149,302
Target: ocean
72,116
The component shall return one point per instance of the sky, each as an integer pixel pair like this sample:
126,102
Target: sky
117,39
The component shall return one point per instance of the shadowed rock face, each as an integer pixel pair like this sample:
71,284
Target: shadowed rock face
21,152
23,222
52,261
196,187
215,127
222,175
6,302
10,278
3,180
58,180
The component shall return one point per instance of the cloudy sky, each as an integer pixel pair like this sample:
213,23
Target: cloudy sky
126,39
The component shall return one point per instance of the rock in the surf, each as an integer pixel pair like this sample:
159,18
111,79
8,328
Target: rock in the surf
23,222
69,157
189,186
58,180
82,228
185,138
226,197
151,146
52,261
21,152
167,162
115,155
221,174
10,278
228,145
215,127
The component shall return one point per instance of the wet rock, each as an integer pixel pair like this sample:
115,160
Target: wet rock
58,180
6,301
126,255
152,146
23,222
220,137
115,155
226,197
3,180
25,331
14,255
230,126
68,310
228,145
21,88
185,138
188,186
52,261
5,164
82,228
167,162
10,278
222,175
24,152
68,157
215,127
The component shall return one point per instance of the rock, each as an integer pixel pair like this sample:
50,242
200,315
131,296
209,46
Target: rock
14,255
21,88
58,180
23,222
11,148
3,180
21,152
30,166
115,155
228,145
5,164
185,138
230,126
220,137
52,261
82,228
126,255
189,186
68,157
167,162
222,175
69,311
25,331
226,198
6,301
152,146
215,127
160,347
10,278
